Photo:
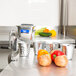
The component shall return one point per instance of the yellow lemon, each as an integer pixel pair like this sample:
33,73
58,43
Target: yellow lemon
53,32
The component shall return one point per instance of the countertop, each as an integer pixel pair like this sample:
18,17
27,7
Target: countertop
28,66
57,39
4,39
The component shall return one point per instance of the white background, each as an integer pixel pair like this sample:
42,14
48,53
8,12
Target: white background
37,12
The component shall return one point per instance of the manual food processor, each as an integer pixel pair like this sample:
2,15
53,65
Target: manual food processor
23,40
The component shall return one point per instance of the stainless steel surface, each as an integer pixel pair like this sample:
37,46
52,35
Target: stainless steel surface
36,47
24,43
49,40
4,57
44,45
65,28
13,40
13,45
28,66
26,27
41,45
63,17
71,31
68,50
24,48
58,39
4,34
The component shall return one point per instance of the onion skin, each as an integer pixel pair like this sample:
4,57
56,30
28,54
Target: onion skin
44,60
61,61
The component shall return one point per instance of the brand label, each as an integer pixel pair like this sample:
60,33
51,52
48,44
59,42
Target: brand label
24,31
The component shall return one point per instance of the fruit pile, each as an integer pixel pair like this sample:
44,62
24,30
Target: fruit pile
44,32
45,58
